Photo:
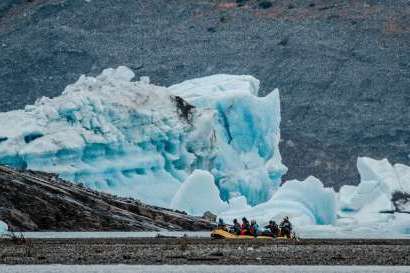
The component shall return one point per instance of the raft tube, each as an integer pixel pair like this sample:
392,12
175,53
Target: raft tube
223,234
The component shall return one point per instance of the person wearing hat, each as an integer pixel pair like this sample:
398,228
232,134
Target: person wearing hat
286,227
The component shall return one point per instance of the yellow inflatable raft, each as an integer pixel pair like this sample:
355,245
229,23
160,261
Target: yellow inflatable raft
223,234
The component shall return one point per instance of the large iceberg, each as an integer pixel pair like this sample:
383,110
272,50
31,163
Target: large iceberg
204,144
132,138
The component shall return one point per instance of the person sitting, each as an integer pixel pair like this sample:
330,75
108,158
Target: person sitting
221,224
245,226
286,227
254,228
272,229
236,228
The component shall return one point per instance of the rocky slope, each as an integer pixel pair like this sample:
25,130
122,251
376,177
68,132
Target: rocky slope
342,66
34,201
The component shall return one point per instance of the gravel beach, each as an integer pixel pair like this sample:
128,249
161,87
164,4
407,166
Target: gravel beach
199,269
205,251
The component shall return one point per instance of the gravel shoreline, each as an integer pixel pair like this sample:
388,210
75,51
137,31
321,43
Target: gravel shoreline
205,251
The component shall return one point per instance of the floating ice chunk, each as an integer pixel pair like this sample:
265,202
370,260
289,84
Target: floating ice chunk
345,195
3,227
400,223
369,205
198,194
380,204
354,198
305,202
403,173
379,170
369,214
379,179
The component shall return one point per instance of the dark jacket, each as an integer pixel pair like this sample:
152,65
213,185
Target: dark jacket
273,228
286,225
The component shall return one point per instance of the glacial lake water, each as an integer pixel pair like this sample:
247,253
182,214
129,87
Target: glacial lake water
198,269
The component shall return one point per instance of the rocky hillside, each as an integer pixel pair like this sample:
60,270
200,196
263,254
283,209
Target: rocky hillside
342,65
34,201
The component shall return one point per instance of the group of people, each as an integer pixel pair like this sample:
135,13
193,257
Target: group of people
252,228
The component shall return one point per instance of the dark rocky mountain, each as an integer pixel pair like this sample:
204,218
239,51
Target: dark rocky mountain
343,66
37,201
